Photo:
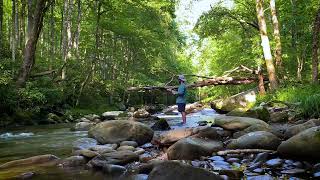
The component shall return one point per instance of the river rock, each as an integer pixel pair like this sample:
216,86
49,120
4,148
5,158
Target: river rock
175,170
274,162
111,115
54,118
161,125
116,131
74,161
139,151
86,153
84,143
256,140
137,177
293,130
114,170
117,157
126,148
305,144
240,123
83,126
193,148
129,143
175,135
141,113
35,160
92,117
262,177
207,132
279,116
104,148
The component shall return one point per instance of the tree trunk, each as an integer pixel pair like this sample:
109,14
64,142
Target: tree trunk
14,31
315,48
52,35
266,46
22,24
1,23
33,36
77,34
276,34
30,19
66,36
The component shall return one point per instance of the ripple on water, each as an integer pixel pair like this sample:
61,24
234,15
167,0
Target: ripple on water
18,135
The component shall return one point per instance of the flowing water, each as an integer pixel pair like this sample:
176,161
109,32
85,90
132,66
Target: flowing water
30,141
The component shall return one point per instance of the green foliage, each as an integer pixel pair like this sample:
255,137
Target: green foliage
307,97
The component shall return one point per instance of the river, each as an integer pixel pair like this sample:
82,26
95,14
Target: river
23,142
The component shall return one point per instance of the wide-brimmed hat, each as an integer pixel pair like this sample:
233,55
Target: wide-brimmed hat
182,78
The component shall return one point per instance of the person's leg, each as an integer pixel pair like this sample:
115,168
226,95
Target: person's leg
184,117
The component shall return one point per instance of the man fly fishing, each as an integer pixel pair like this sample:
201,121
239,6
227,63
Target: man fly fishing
181,97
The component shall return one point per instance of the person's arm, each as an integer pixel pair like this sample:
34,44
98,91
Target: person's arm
172,91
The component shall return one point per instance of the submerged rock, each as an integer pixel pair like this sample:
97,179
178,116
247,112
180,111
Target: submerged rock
193,148
35,160
256,140
116,131
84,143
306,144
175,170
74,161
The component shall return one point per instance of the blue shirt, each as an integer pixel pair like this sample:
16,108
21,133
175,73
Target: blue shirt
182,91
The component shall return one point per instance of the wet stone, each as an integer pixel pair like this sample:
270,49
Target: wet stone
258,170
316,175
129,143
293,171
139,177
274,162
298,164
216,158
245,161
261,157
289,162
316,167
262,177
231,160
196,163
126,148
147,145
139,151
219,165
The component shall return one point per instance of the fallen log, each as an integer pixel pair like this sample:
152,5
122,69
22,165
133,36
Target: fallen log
239,151
207,82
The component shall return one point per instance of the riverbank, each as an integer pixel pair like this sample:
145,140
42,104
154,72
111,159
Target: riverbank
203,143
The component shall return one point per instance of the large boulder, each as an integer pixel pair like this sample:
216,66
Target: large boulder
116,131
241,100
305,144
35,160
117,157
175,170
256,140
293,130
193,148
239,123
84,143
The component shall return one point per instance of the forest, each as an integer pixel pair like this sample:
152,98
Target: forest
88,65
